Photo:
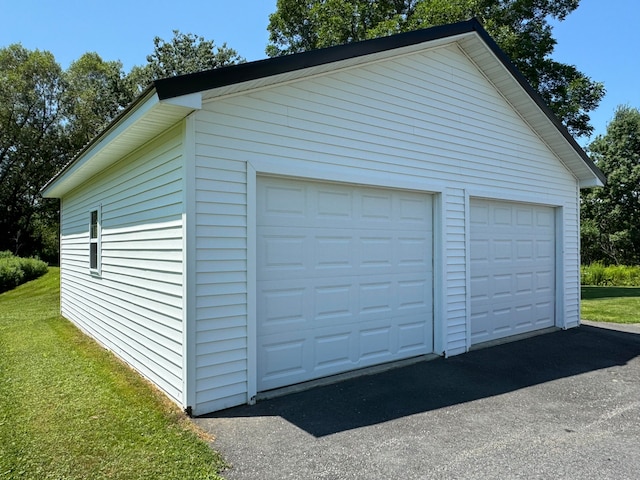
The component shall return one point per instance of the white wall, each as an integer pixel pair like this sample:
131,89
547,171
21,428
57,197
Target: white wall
135,306
221,282
428,120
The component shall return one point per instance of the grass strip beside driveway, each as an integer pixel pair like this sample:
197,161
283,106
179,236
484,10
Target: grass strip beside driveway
70,410
611,304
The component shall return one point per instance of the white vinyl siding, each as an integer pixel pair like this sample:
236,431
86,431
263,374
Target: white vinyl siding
221,282
429,119
455,311
135,307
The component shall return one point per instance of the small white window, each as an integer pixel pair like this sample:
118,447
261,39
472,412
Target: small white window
94,240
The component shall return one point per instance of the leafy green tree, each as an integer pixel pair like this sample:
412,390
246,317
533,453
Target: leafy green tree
611,215
31,111
185,53
95,92
47,115
520,27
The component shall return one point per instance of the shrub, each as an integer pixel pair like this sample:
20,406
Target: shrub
11,275
33,268
613,275
15,270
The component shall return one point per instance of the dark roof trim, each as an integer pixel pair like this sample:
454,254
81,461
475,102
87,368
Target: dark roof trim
225,76
221,77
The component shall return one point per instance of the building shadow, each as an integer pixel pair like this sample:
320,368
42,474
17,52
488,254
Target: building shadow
430,385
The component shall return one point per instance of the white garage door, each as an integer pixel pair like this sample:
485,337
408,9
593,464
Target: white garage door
344,278
512,269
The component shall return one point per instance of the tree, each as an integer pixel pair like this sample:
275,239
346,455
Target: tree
520,27
611,215
47,115
95,92
31,92
185,53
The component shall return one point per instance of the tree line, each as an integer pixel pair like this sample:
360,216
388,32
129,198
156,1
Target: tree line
610,223
47,114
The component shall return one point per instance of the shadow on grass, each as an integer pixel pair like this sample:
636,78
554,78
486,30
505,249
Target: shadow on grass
441,383
595,293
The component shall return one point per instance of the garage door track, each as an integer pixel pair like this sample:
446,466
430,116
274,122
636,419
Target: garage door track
561,405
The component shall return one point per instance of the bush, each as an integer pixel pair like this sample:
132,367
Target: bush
15,270
613,275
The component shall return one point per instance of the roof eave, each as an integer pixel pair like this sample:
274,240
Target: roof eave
546,123
592,182
144,119
168,100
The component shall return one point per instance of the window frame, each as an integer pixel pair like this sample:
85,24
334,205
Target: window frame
95,240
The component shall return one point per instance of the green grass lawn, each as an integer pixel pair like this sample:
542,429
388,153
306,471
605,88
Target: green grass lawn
70,410
611,304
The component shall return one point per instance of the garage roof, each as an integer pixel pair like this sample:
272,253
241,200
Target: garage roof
168,100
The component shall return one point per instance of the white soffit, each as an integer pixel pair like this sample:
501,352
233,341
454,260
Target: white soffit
144,121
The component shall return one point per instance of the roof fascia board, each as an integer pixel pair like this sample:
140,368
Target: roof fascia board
191,100
594,182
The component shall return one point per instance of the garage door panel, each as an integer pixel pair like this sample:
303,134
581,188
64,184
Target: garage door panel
512,268
414,294
335,205
355,288
412,336
282,252
284,304
283,203
287,256
295,303
340,206
376,250
283,357
376,342
415,211
333,303
414,252
544,249
545,282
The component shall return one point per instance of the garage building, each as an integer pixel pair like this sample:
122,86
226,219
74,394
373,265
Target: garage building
248,228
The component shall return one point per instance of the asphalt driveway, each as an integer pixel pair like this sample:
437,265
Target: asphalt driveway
561,405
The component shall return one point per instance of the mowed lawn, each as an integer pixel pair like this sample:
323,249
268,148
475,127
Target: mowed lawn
71,410
611,304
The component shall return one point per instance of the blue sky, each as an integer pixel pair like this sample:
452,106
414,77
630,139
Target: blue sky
600,37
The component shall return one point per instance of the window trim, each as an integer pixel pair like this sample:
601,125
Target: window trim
95,238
